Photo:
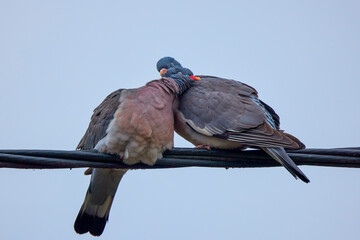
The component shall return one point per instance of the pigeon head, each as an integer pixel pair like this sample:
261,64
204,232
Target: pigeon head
168,67
175,70
182,76
167,62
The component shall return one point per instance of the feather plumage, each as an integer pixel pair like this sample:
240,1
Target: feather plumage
137,124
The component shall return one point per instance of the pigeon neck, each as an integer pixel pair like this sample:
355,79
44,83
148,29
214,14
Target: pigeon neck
183,81
166,84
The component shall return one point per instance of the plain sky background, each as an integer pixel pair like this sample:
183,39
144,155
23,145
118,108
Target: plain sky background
60,59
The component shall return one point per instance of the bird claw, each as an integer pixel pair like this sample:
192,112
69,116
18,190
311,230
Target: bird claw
88,171
204,146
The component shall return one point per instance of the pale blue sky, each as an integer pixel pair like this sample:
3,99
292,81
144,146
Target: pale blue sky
60,59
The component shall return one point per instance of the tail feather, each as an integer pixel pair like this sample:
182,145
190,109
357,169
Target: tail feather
85,223
92,218
283,158
95,210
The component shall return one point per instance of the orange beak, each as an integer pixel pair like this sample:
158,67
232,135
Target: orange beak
163,71
195,78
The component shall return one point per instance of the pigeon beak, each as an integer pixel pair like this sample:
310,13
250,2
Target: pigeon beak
195,78
163,71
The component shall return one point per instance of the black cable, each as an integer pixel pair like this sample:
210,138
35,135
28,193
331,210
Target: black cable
177,157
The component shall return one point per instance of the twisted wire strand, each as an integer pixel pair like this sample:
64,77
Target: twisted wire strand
177,157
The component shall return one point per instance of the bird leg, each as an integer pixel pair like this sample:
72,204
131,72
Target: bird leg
204,146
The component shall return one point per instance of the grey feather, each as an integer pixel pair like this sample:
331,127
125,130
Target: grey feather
94,212
230,111
281,156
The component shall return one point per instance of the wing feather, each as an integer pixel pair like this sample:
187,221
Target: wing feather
231,110
100,121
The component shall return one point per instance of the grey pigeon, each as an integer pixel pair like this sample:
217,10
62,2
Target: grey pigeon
227,114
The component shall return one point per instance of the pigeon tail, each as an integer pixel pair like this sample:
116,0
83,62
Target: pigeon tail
283,158
92,218
95,210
